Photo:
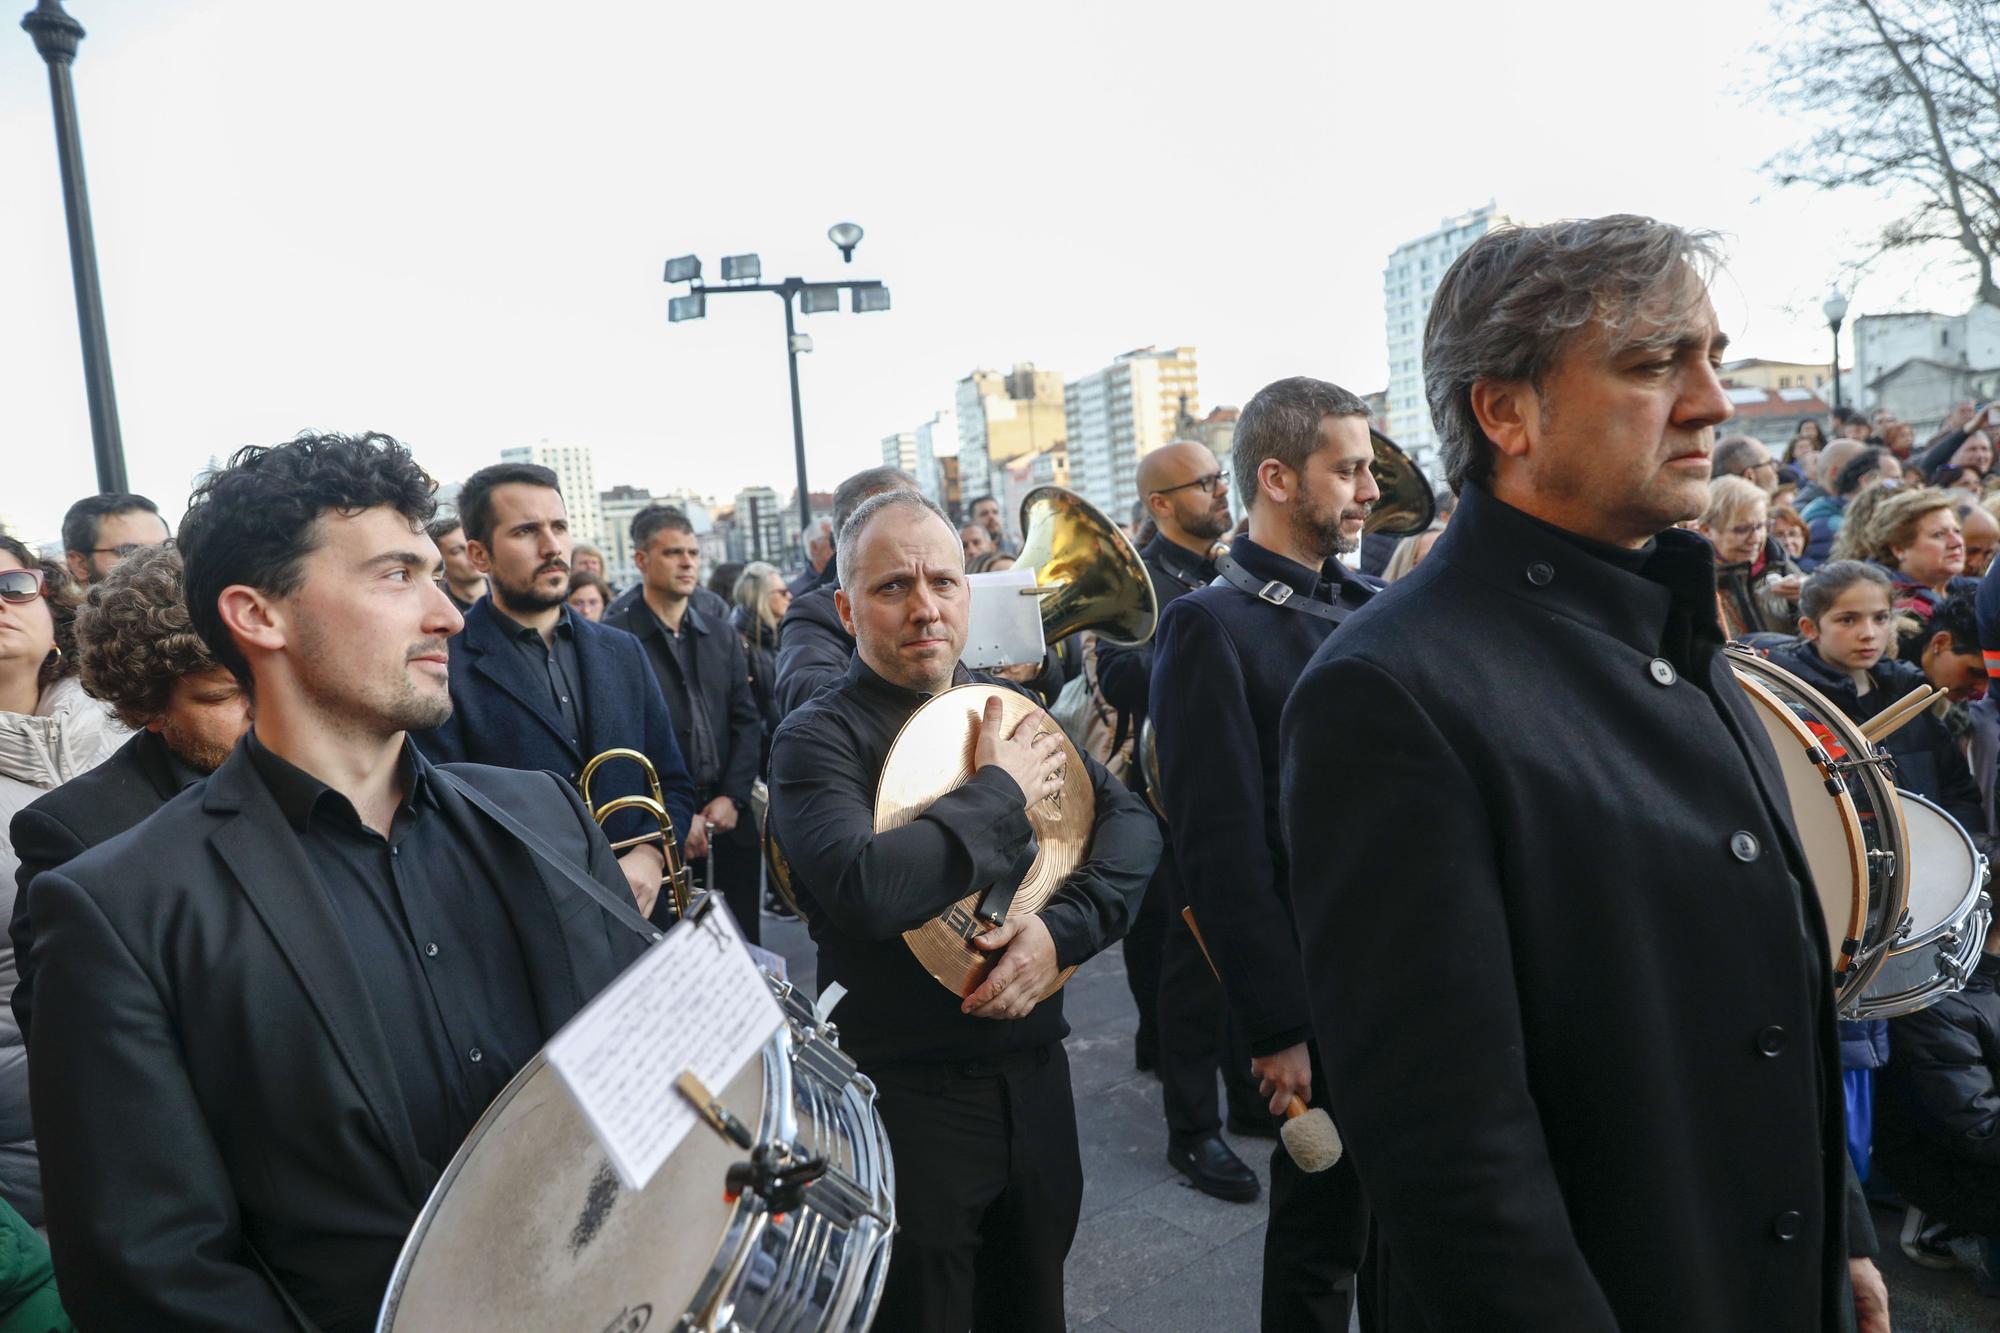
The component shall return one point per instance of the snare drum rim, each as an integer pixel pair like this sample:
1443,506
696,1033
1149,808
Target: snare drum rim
1967,903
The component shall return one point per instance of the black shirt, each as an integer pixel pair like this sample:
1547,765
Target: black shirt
435,947
558,664
704,757
861,890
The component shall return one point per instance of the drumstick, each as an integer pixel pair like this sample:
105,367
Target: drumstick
1897,714
1308,1134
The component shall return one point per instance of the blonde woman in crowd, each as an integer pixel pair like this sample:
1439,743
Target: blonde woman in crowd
1756,582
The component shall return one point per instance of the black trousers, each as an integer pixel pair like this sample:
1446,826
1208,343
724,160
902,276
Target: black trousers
1196,1037
989,1182
733,867
1315,1240
1950,1186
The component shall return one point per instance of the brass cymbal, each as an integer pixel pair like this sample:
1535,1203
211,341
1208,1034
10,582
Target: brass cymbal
931,756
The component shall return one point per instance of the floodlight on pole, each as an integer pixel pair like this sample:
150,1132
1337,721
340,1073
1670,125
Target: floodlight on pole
818,298
846,236
870,297
687,307
742,268
685,269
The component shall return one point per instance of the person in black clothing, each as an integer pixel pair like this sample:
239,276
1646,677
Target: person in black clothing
1182,1031
1566,797
975,1090
461,580
1937,1129
701,669
1224,661
814,643
268,1015
139,653
759,601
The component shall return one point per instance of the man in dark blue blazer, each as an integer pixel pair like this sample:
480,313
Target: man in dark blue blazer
535,686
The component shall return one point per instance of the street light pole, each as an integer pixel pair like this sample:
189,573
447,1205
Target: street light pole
1835,310
56,36
740,273
788,290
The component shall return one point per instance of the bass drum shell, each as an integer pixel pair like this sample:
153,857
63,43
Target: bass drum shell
1849,820
530,1229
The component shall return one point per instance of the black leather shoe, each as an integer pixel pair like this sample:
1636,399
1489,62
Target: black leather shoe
1253,1124
1214,1170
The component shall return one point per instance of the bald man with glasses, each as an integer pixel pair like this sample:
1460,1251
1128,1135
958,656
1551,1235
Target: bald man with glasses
1182,1032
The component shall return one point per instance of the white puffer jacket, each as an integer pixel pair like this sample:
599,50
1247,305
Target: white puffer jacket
68,733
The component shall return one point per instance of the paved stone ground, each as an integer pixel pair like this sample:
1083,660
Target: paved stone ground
1153,1256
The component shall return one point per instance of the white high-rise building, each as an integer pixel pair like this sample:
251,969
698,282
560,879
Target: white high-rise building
1114,415
1001,418
616,508
916,451
1408,282
576,478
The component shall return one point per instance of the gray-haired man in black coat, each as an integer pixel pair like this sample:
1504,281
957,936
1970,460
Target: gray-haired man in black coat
1567,967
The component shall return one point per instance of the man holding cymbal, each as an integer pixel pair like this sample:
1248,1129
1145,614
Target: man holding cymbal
974,1090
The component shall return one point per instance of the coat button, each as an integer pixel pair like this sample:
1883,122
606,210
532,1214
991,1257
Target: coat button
1540,573
1787,1225
1663,671
1743,846
1770,1040
475,1056
430,950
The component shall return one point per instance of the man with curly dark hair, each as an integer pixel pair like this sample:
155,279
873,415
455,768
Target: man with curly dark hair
138,652
268,1016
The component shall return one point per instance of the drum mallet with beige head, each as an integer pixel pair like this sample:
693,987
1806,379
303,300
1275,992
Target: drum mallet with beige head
1308,1133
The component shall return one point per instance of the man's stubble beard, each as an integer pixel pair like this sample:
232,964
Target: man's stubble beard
381,709
200,755
529,600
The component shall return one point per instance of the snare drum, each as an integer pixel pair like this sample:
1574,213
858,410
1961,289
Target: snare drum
1949,914
530,1228
1849,819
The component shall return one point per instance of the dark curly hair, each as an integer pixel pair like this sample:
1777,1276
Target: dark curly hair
60,594
134,638
255,521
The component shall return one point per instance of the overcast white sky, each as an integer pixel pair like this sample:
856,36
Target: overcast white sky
447,220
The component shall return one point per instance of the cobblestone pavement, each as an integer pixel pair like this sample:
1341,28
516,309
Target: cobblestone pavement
1153,1256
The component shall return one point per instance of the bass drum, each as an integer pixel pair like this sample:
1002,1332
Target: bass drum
1848,815
1949,917
531,1230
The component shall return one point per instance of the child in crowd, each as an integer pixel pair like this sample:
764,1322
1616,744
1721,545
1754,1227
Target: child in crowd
1847,634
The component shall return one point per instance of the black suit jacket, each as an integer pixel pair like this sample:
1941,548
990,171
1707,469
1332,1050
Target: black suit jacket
722,679
501,714
1570,991
92,808
212,1075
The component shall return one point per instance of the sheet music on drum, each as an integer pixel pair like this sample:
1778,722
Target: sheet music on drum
694,1001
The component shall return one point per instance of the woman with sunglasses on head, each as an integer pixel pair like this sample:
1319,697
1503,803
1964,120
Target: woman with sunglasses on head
50,731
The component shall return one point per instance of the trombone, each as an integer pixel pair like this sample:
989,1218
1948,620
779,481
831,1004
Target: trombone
677,880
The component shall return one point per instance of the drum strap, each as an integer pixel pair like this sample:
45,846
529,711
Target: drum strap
1274,592
621,908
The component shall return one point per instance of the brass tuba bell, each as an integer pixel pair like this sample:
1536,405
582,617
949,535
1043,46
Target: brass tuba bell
678,879
1407,506
1087,572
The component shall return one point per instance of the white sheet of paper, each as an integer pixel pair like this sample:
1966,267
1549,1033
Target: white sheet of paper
694,1001
1003,628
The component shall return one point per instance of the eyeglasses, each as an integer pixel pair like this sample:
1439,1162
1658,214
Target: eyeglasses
1207,484
1743,532
18,587
129,549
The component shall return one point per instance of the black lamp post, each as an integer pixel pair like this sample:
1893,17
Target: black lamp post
740,273
56,36
1835,309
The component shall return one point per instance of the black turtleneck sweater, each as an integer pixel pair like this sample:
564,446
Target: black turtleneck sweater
861,890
